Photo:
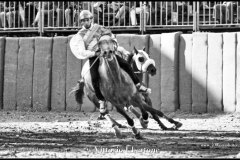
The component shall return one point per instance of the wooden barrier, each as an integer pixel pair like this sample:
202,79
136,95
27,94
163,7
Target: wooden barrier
238,74
196,72
214,75
199,73
2,53
25,74
185,72
58,80
10,73
154,82
229,72
169,71
42,74
124,40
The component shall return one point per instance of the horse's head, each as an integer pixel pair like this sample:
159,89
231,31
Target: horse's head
115,84
142,61
107,47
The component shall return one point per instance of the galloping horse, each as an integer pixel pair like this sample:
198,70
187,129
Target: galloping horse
141,63
117,88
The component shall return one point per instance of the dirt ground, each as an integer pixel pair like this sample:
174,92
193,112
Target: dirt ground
79,135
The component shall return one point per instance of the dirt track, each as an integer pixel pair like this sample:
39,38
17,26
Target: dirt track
78,135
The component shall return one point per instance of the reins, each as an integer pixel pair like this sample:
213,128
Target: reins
141,70
91,66
85,74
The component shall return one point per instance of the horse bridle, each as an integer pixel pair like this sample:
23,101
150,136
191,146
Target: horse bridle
141,71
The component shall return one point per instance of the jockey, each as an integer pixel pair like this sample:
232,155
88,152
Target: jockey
84,44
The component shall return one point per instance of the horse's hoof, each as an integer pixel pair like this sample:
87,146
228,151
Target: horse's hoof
144,123
171,129
121,126
174,128
164,129
138,136
178,125
117,132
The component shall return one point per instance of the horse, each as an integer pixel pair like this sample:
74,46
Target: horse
116,86
141,63
118,90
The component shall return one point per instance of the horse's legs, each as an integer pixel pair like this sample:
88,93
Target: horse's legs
94,100
147,99
115,127
144,123
159,113
137,101
134,111
154,116
130,121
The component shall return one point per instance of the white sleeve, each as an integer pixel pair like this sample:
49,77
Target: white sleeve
78,48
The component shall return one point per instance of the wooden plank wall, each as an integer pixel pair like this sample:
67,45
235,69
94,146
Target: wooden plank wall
196,72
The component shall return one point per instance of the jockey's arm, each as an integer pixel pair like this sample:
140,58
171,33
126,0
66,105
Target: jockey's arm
78,49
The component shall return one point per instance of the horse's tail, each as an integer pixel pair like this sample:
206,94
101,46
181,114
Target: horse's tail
79,91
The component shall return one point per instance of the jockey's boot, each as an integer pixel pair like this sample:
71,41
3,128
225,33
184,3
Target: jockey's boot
142,88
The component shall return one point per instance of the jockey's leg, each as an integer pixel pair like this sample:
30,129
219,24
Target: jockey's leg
126,66
95,82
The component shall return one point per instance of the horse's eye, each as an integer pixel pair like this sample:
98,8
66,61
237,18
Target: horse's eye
141,59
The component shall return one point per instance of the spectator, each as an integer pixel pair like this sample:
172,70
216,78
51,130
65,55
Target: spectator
122,14
30,12
155,12
71,13
69,9
86,5
110,12
47,13
10,14
166,12
223,12
104,12
136,9
98,12
1,14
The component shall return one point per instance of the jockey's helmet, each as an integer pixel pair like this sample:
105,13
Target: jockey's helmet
85,14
